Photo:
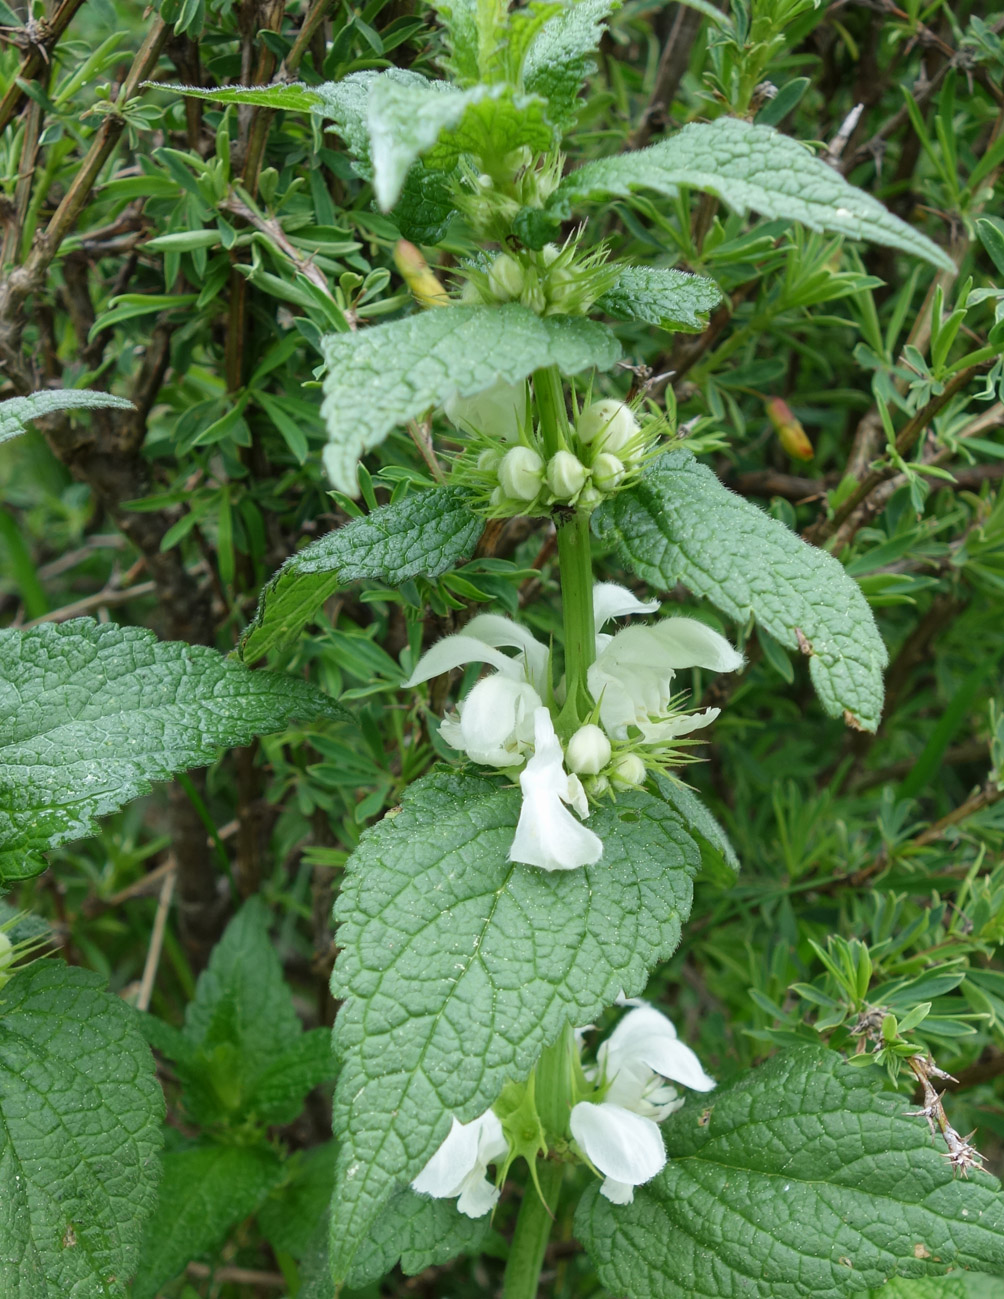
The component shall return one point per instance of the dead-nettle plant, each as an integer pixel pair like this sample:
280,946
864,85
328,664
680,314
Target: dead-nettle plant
516,896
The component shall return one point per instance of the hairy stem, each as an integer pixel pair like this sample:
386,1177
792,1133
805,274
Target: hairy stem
533,1229
574,560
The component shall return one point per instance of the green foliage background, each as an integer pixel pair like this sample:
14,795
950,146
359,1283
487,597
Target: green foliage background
188,256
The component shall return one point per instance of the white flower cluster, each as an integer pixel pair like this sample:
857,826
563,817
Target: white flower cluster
608,444
505,723
615,1129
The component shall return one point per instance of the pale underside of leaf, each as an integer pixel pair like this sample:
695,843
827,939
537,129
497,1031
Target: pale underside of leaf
378,378
80,1130
680,524
422,535
17,412
91,713
804,1178
747,166
671,299
459,966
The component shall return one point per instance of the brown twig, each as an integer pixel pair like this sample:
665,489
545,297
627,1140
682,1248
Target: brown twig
673,64
42,38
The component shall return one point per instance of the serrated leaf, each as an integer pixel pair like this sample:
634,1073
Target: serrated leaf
91,713
422,535
747,166
380,377
680,524
670,299
418,1232
80,1129
460,20
242,1054
459,966
425,208
558,62
207,1189
16,413
701,824
802,1178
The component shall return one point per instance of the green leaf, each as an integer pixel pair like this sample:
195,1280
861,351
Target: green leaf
459,966
91,713
290,1216
701,824
747,166
420,1233
679,524
80,1129
991,236
959,1285
207,1189
670,299
425,208
460,21
558,62
382,376
406,120
801,1178
421,535
16,413
243,1055
295,96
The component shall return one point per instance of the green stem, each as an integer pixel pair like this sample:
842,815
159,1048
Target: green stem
533,1230
574,561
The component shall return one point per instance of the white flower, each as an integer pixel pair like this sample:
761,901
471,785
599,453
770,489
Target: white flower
459,1166
547,834
632,677
499,411
494,724
566,475
620,1134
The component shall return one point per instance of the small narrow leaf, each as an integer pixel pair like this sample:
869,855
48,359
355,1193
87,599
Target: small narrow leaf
80,1132
803,1178
422,535
670,299
91,713
680,524
16,413
295,95
747,166
380,377
459,966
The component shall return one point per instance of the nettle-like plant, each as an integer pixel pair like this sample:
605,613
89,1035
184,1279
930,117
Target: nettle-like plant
512,900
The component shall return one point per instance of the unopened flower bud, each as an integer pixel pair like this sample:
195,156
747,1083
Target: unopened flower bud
498,412
489,461
471,294
496,498
566,475
589,498
628,771
521,474
549,254
610,424
588,751
533,296
506,278
597,785
608,472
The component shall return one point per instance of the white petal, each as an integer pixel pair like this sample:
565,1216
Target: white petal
576,797
495,630
690,644
645,1036
454,651
617,1192
547,834
478,1197
622,1145
613,601
444,1175
491,719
